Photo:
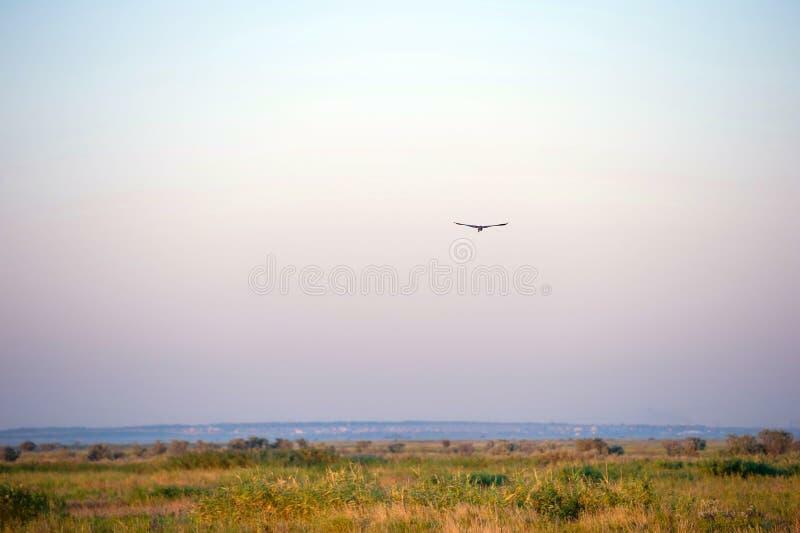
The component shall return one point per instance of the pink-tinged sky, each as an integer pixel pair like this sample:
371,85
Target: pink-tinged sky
646,156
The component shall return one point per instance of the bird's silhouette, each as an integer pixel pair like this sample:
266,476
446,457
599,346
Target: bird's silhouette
479,227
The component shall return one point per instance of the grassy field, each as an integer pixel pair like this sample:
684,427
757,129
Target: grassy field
409,486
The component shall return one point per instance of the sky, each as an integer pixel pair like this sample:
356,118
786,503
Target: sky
153,155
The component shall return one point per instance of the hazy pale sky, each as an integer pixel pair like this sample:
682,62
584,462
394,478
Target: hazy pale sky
645,153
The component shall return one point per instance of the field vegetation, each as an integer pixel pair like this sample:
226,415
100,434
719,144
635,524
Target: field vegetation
744,483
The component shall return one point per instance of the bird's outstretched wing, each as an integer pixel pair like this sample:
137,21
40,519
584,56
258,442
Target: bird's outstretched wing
495,225
470,225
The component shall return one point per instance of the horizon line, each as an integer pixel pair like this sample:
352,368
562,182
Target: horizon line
402,421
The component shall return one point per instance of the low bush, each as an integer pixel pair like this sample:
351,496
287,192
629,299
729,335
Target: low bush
28,446
10,454
203,446
776,441
251,443
744,445
770,441
178,447
556,501
465,448
237,444
616,449
18,505
138,451
282,444
587,445
694,444
688,446
396,447
260,443
98,452
158,448
316,456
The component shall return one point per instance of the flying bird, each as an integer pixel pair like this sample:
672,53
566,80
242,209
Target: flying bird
481,228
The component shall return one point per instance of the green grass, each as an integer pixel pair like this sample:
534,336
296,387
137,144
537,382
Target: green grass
424,487
264,496
746,467
19,505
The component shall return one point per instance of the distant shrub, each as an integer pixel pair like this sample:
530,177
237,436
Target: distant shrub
178,447
616,449
10,454
484,479
744,445
670,465
465,448
138,450
237,444
316,456
770,441
694,444
511,446
252,443
776,441
28,446
98,452
672,447
203,446
587,445
49,446
18,505
282,444
363,445
259,443
396,447
301,443
689,446
445,443
158,448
